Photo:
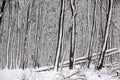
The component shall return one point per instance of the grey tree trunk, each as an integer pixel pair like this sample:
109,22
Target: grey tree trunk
2,10
73,35
89,52
60,36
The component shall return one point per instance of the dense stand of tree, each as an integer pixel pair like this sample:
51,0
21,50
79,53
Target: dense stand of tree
35,33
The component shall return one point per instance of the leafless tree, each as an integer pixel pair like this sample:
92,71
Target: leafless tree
60,36
92,34
73,35
31,30
2,10
109,13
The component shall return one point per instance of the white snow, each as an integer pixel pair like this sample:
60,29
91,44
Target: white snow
65,74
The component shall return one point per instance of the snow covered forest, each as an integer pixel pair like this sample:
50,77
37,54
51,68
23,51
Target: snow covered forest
52,35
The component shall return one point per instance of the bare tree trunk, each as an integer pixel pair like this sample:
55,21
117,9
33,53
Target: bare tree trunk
18,51
37,38
73,35
18,37
89,52
64,55
9,36
2,11
8,44
26,38
101,59
21,50
60,36
39,29
11,53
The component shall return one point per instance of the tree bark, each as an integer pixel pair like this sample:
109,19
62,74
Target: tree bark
26,38
2,10
101,59
9,36
73,35
92,35
60,36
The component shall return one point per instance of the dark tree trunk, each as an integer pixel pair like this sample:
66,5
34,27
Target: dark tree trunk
60,36
73,35
102,54
2,10
92,35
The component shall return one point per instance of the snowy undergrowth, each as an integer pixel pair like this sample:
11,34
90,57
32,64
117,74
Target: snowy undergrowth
65,74
103,74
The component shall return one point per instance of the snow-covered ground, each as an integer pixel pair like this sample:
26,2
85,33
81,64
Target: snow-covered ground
65,74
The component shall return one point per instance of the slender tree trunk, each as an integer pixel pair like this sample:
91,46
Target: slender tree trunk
101,59
18,37
92,35
73,35
63,58
26,38
60,36
21,51
11,53
101,23
37,38
9,36
8,48
18,50
2,10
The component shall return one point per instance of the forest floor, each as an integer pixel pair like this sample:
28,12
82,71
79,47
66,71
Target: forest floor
66,74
